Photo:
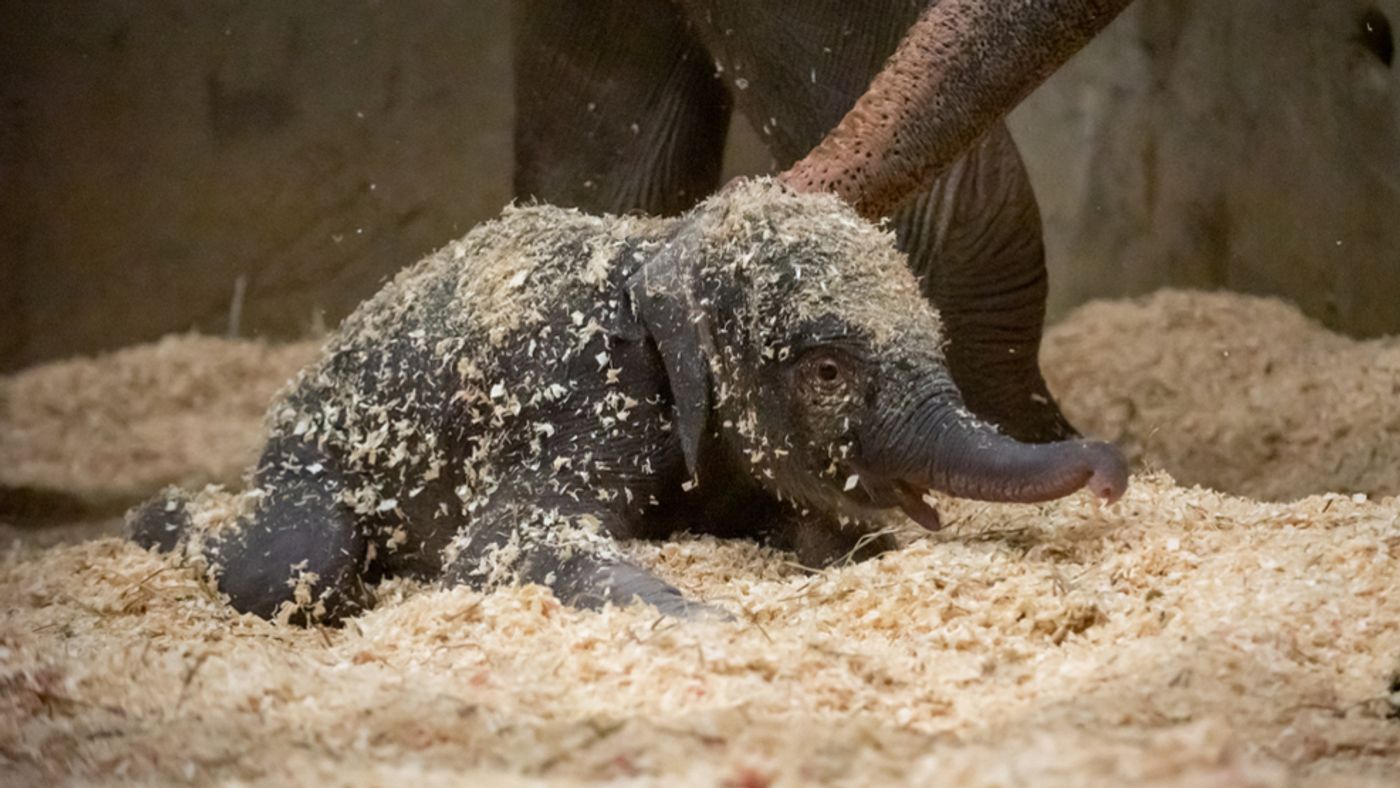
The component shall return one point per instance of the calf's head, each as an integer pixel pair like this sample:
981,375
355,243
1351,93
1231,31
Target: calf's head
794,337
797,344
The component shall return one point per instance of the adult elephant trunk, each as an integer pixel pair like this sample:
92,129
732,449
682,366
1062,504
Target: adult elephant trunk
942,447
961,67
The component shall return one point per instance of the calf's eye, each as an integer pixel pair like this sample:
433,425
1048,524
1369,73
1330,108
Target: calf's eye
824,373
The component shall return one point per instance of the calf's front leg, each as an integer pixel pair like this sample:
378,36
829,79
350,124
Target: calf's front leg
565,545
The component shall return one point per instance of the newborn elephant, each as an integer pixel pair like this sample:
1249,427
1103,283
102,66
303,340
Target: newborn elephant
640,125
506,409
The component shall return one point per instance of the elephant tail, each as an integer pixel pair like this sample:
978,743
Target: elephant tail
161,523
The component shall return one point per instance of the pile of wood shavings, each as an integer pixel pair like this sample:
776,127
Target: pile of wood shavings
1180,637
185,410
1237,393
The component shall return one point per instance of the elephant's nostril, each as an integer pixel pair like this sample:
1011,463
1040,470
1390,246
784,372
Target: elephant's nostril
1376,36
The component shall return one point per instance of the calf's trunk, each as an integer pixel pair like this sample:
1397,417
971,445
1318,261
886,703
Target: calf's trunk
945,448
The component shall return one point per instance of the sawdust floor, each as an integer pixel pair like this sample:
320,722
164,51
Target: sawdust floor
1183,636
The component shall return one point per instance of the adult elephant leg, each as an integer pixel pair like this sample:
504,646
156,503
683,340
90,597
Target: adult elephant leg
617,107
974,240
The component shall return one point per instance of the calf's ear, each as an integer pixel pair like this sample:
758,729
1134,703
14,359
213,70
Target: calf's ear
664,299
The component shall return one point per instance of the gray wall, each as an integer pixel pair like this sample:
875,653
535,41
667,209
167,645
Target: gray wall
154,153
160,150
1249,144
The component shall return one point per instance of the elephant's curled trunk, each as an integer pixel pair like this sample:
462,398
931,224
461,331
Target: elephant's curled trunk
945,448
988,466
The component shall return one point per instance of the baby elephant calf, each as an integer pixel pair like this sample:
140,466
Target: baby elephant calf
508,408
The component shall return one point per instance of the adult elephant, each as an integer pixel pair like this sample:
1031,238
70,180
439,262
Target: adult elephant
622,105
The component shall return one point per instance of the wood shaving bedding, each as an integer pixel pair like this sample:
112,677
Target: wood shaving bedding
187,410
1179,637
1233,392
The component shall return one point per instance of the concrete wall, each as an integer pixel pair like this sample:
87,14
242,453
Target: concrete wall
154,154
1250,144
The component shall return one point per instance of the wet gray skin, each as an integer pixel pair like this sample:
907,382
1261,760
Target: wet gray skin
509,407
